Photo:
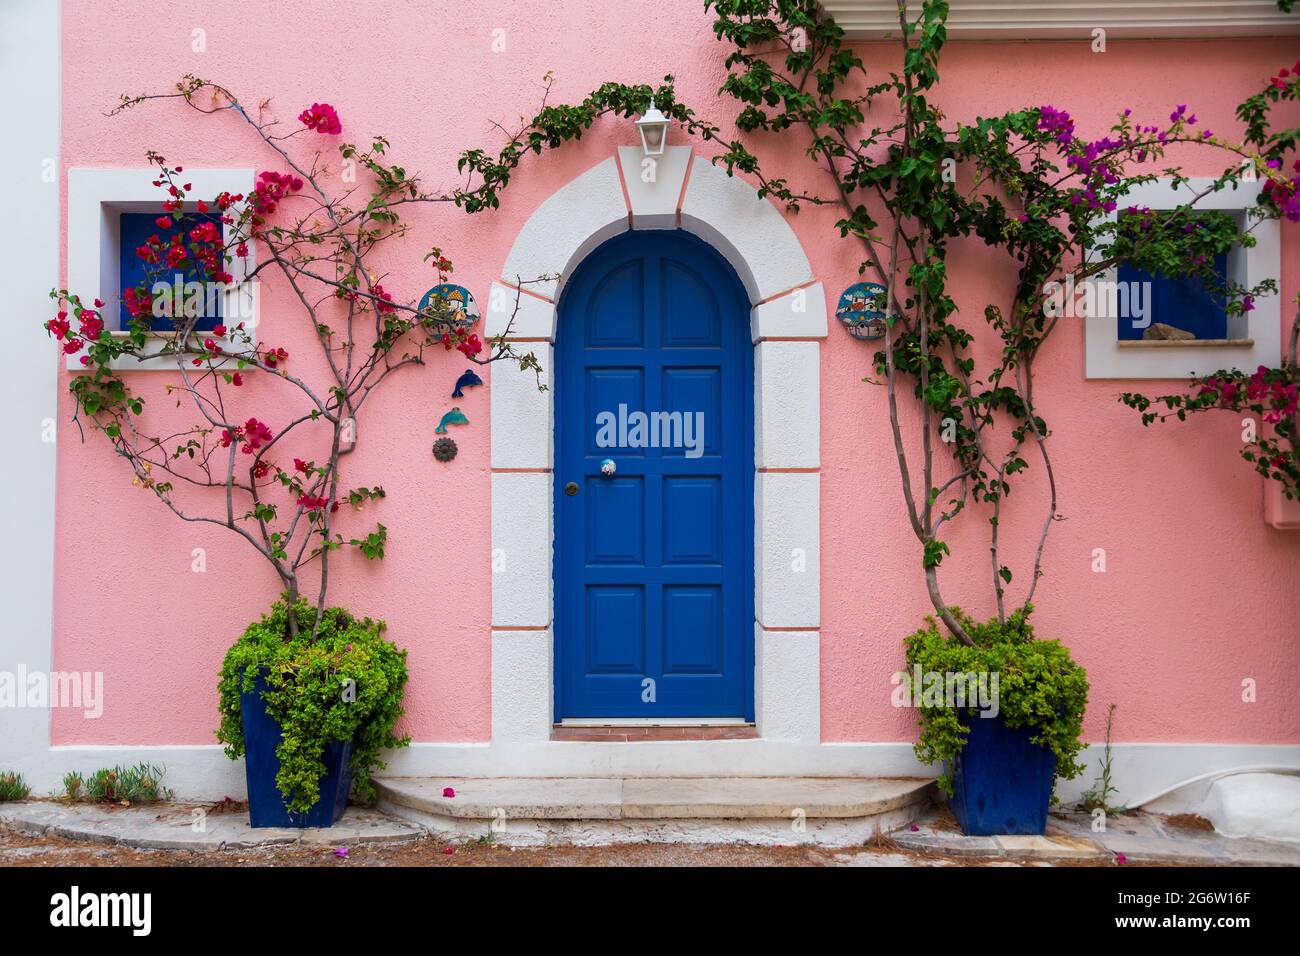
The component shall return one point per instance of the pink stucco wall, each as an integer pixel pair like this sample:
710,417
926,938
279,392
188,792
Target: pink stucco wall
1198,593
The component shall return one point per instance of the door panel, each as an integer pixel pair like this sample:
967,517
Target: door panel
654,564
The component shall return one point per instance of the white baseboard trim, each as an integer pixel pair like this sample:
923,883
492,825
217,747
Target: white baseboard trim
1142,772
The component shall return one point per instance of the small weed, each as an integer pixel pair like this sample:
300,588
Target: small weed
124,785
74,787
1098,795
13,786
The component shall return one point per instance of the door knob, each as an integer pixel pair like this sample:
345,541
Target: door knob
571,489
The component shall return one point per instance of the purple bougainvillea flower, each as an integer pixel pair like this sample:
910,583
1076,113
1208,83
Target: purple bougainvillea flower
341,852
914,828
448,792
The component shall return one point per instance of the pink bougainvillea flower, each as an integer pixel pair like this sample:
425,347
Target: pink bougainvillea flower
322,118
1121,859
271,187
449,851
341,852
300,465
914,828
471,346
255,435
236,379
448,792
383,301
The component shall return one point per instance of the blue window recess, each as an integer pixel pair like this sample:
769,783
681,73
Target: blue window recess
134,231
1180,301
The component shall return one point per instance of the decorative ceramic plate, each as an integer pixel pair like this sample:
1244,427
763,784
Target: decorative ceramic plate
859,310
462,309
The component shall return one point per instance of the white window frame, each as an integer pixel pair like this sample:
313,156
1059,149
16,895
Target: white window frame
1259,331
96,198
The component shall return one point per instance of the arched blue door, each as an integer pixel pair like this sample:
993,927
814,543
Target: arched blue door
654,570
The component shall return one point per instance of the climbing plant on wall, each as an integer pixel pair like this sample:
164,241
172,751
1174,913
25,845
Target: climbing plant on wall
908,182
230,465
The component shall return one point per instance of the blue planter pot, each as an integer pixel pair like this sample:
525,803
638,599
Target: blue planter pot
265,804
1003,782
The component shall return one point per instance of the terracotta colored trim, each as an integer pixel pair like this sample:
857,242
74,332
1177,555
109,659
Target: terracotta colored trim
783,629
535,338
686,179
791,338
625,734
521,289
777,295
788,471
523,627
622,182
521,471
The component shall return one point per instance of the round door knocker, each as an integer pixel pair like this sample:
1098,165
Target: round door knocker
571,489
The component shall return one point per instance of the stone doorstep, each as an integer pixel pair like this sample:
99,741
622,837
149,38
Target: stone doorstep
653,798
169,826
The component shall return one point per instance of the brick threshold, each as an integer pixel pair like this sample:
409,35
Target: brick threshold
633,734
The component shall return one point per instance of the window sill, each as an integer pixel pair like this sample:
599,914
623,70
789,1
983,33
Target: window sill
1186,343
154,359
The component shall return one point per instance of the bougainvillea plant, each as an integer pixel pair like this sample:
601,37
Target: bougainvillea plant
908,181
1270,395
232,465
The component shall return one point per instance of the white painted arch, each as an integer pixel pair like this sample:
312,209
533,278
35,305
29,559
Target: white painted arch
787,322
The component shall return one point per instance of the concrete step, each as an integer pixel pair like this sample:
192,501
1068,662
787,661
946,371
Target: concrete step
526,811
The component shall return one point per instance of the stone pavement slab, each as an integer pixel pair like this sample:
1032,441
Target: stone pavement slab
1140,837
179,826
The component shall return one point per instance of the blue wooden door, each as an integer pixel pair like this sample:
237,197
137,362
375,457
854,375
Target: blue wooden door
654,568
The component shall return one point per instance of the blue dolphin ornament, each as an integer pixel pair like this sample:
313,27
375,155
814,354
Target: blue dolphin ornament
453,417
468,380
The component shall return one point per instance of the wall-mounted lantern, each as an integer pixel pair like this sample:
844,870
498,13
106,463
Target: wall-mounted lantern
653,127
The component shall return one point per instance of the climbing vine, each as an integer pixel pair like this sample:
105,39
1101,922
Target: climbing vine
908,181
232,467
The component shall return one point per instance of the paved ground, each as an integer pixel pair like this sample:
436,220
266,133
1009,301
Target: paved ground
1131,838
18,849
50,833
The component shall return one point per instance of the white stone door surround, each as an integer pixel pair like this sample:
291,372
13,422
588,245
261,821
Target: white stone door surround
787,322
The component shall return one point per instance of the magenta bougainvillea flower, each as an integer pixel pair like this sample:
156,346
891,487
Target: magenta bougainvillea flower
448,792
322,118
